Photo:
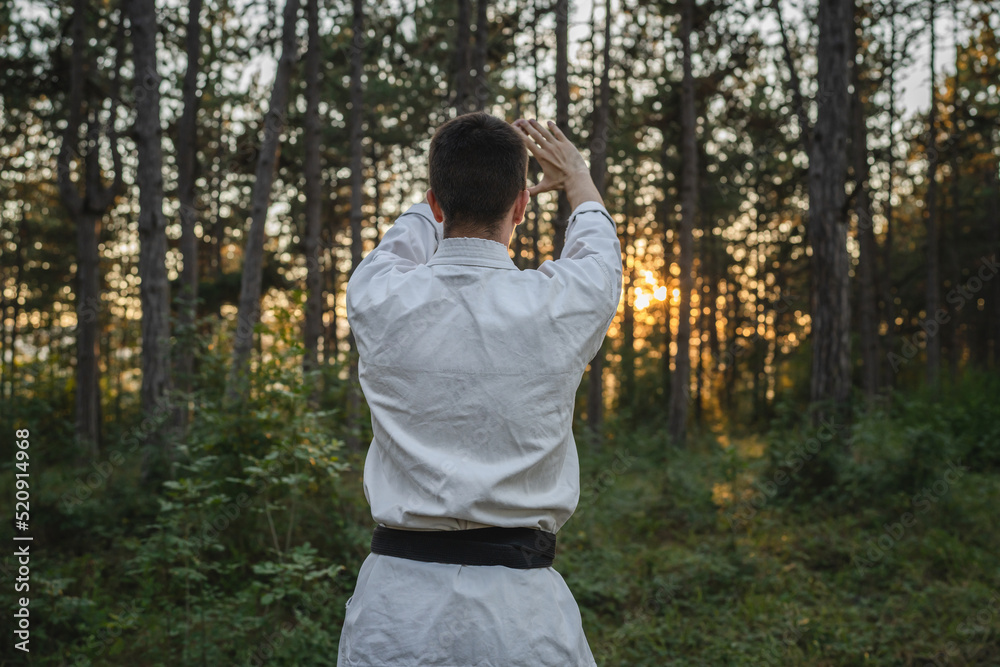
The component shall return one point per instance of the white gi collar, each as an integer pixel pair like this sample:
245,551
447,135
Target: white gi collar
473,252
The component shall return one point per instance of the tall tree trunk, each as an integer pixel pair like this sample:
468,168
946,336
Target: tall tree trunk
933,251
888,300
681,381
954,326
187,149
154,287
993,223
733,347
712,302
994,206
706,303
86,211
562,115
331,344
867,278
628,357
482,91
253,253
313,327
377,192
533,166
665,216
461,58
357,183
9,376
88,310
954,239
536,212
627,400
831,360
598,167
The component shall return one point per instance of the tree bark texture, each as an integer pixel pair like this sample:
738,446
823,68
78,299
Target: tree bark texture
831,362
680,390
253,254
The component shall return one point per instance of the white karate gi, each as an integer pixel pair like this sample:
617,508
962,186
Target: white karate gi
470,368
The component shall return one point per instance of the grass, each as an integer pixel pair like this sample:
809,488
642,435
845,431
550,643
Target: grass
817,576
880,549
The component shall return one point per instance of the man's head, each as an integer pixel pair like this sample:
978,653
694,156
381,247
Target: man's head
478,174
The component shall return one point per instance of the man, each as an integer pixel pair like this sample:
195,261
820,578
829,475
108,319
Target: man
470,368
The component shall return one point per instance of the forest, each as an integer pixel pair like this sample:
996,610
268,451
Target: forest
789,440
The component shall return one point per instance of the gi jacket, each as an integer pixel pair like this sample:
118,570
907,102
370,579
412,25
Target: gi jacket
470,368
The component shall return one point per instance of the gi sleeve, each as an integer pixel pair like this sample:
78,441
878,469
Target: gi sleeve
590,266
409,243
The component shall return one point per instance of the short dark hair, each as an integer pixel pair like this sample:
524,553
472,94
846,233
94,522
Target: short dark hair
478,167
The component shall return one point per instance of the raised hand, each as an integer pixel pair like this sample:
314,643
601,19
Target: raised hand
563,167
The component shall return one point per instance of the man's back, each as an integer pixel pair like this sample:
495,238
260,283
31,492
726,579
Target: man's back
470,368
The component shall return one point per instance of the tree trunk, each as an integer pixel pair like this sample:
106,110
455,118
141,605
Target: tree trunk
534,174
681,381
598,167
253,254
867,279
313,327
377,190
86,212
994,206
482,91
533,167
627,399
357,183
732,345
718,267
668,247
933,251
88,310
993,220
954,326
461,58
562,115
154,286
187,147
888,300
831,371
331,345
10,377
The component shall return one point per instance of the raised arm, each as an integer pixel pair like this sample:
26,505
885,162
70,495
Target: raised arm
409,243
590,264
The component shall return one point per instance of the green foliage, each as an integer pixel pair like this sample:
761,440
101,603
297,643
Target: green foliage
247,551
693,558
243,553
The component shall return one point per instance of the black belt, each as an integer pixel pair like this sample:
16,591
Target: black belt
520,548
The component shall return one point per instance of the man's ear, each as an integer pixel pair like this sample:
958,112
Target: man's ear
520,206
435,206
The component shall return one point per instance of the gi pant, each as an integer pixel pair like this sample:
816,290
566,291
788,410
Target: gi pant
407,613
